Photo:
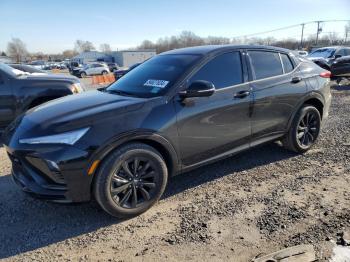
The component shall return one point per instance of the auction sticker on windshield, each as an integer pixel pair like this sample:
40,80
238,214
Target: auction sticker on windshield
156,83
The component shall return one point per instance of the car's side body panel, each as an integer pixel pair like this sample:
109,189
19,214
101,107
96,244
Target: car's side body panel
7,101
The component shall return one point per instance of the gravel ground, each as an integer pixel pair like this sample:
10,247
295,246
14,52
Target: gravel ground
251,204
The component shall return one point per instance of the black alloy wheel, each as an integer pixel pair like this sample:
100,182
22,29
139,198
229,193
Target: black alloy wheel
134,182
304,130
130,180
308,129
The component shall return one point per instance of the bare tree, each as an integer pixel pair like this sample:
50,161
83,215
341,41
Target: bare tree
147,44
17,49
217,40
69,53
347,33
83,46
105,48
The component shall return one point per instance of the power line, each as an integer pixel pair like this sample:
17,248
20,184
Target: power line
288,27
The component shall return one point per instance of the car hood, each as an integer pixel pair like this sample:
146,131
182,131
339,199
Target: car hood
77,111
52,77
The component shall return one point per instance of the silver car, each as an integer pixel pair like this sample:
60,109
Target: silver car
94,69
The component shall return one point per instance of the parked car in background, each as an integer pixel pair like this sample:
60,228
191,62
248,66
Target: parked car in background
340,69
119,73
38,64
325,56
91,69
20,91
28,68
179,110
112,66
302,52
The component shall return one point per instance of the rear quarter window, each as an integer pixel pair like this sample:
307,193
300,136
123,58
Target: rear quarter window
287,63
265,64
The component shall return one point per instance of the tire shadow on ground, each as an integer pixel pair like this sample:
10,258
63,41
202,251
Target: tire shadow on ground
27,224
259,156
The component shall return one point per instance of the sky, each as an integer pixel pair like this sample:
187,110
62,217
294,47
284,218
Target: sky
53,26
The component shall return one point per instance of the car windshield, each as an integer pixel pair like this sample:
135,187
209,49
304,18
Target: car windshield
154,77
12,71
323,52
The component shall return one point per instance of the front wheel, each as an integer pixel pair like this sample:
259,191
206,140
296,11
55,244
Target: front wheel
304,130
104,72
83,74
130,180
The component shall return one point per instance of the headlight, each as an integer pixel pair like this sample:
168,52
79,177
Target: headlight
68,138
76,88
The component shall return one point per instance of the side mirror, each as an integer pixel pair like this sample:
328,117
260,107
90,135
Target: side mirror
199,88
337,56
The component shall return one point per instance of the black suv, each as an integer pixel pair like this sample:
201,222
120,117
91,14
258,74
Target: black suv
177,111
20,91
325,56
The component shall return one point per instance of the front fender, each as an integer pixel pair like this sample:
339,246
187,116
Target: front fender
133,136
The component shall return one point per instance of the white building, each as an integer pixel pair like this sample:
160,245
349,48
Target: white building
127,58
124,58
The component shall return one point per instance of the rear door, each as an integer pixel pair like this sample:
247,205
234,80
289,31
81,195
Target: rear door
7,101
98,68
277,86
90,69
210,126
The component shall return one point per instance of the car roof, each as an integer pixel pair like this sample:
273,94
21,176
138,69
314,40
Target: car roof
333,47
206,49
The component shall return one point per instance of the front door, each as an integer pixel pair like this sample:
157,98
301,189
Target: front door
215,125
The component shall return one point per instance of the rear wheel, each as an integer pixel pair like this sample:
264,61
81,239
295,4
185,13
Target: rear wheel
304,130
104,72
82,74
130,180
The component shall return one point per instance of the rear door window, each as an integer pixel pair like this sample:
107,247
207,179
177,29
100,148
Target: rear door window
287,64
265,64
223,71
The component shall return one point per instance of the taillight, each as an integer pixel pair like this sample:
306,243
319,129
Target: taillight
326,74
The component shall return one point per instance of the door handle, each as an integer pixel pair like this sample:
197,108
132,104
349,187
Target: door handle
242,94
296,79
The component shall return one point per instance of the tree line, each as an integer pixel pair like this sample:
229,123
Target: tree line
16,48
188,39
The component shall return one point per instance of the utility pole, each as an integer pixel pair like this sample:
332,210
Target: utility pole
302,36
318,31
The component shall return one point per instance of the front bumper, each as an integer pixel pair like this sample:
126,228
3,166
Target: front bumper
53,173
75,73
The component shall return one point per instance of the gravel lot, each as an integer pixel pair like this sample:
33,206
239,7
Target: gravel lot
254,203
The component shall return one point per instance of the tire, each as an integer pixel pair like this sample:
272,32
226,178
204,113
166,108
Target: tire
83,74
104,72
304,130
114,186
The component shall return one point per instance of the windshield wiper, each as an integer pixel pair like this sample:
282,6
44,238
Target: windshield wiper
120,92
